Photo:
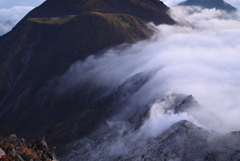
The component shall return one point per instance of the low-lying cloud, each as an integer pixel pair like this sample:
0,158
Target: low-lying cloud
10,17
207,19
202,61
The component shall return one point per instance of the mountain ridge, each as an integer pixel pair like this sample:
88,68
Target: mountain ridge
142,9
209,4
42,47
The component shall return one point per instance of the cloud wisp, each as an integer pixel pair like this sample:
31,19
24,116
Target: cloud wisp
203,62
10,17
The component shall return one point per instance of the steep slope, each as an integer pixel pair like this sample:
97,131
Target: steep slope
147,10
218,4
128,139
41,48
186,141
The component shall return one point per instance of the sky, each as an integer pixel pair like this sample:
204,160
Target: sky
11,3
12,11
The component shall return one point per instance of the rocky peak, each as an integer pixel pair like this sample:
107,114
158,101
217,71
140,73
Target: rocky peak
218,4
178,102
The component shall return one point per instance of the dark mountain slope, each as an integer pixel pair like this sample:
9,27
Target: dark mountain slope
43,45
218,4
147,10
28,70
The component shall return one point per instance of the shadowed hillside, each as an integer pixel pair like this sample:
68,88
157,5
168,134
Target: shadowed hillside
41,48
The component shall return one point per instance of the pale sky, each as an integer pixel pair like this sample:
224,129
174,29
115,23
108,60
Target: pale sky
11,3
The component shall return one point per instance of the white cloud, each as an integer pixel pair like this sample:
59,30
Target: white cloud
203,62
10,17
171,3
207,19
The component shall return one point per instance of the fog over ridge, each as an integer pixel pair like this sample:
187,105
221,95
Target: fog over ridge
202,61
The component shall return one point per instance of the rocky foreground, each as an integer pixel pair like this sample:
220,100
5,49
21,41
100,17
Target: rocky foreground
13,148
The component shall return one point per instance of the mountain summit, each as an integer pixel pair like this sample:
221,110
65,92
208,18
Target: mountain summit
218,4
42,47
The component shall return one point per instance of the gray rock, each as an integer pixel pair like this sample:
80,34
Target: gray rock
182,141
26,157
225,147
19,158
13,136
11,151
179,102
2,153
12,139
39,151
22,140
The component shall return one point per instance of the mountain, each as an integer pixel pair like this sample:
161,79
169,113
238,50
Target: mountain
45,43
183,140
209,4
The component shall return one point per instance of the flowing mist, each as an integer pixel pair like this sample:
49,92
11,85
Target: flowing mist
203,61
10,17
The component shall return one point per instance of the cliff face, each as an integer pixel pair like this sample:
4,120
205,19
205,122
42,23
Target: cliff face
43,45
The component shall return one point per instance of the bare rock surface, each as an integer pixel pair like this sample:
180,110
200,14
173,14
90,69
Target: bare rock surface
15,149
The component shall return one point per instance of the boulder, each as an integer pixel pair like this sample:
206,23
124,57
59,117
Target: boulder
11,151
2,153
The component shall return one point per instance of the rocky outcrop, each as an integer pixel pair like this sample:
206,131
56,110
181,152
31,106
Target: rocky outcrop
13,148
182,141
186,141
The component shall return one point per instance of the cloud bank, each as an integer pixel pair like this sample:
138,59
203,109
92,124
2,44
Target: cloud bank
203,61
10,17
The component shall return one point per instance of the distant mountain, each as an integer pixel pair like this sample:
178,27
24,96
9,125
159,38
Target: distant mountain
218,4
41,48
